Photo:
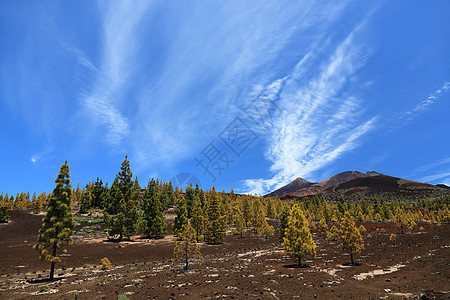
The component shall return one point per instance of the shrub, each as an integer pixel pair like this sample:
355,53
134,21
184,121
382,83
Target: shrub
105,263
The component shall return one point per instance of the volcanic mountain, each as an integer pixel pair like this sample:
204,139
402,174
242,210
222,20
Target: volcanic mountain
291,187
301,188
356,185
443,186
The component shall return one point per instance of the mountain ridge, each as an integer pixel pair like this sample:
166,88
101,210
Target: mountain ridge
357,185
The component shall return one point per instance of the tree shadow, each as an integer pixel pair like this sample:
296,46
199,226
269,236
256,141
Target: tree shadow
351,265
149,237
296,266
117,240
43,280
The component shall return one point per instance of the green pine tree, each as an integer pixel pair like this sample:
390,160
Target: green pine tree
86,200
153,211
122,216
198,218
58,222
181,217
216,223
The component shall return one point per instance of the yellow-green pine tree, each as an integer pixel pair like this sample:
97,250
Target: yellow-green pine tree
351,238
186,246
333,233
239,221
298,239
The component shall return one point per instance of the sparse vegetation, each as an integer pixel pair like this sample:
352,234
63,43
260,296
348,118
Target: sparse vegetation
105,264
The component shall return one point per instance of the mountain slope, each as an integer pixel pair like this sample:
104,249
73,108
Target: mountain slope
354,185
291,187
301,188
443,186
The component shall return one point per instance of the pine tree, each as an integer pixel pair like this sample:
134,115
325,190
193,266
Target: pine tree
246,210
298,239
351,238
124,196
58,222
262,227
270,209
333,234
189,200
239,221
257,214
181,217
265,230
186,246
153,211
284,221
323,226
216,223
97,190
5,208
197,219
38,203
400,219
86,200
76,195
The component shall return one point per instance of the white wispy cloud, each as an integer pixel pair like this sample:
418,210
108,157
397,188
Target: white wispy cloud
104,102
319,124
433,165
211,72
433,177
34,159
83,60
427,103
446,181
41,156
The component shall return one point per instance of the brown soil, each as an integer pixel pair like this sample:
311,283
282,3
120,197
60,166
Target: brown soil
248,268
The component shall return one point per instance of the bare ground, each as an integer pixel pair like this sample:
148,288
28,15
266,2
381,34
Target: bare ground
248,268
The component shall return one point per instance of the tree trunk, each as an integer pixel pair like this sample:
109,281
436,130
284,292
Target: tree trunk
52,267
351,257
299,261
187,261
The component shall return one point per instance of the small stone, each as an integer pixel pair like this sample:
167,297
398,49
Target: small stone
388,280
387,290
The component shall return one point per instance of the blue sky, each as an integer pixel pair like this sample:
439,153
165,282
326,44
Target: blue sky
237,94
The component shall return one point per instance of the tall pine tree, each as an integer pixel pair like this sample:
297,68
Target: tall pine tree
122,215
153,211
216,223
58,222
